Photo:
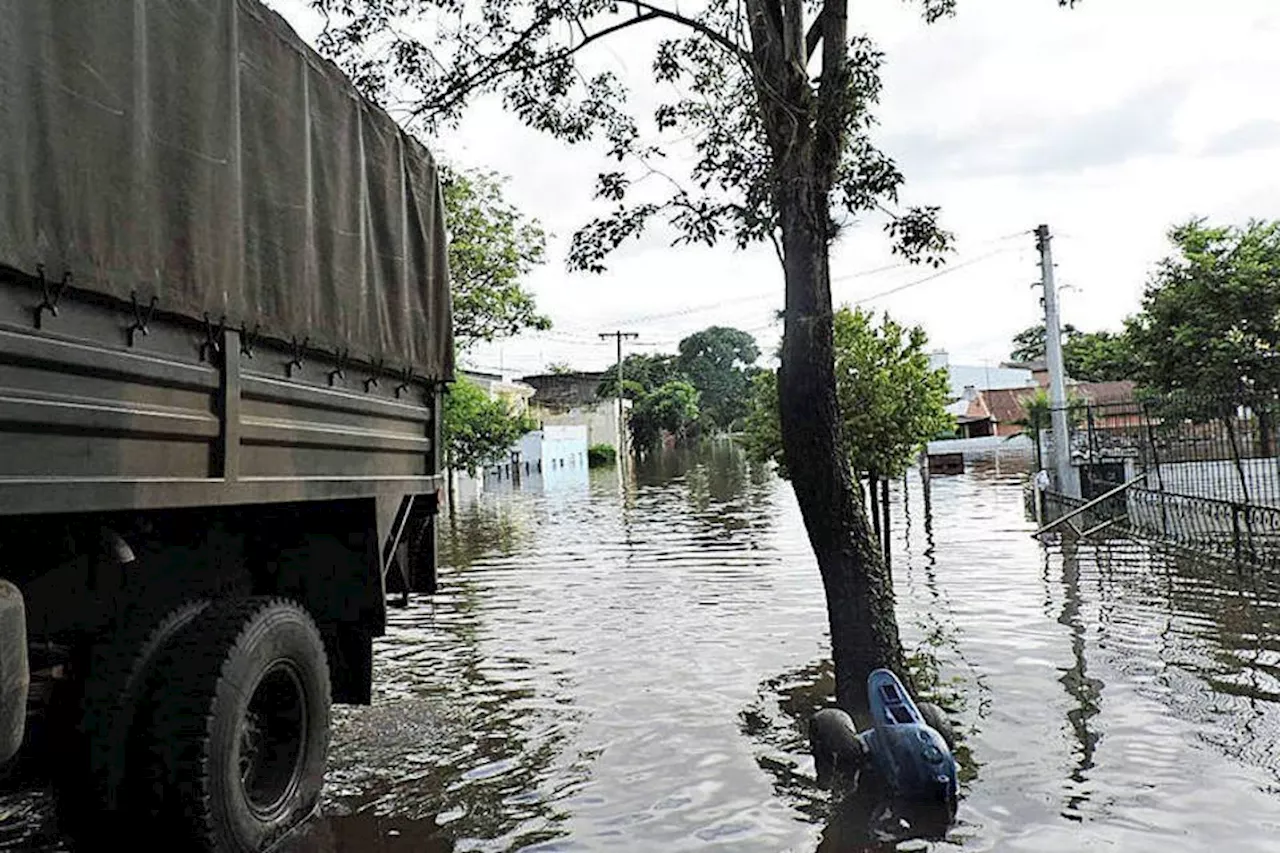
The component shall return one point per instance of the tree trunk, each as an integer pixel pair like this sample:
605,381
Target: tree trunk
1266,433
873,489
860,607
886,547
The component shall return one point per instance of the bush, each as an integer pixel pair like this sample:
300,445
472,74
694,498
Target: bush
599,455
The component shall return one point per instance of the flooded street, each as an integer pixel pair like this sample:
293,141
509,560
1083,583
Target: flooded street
629,668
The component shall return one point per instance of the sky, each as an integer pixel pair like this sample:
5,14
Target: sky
1110,123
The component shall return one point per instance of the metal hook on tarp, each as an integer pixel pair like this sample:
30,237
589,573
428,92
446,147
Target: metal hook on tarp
340,372
212,338
296,360
49,298
141,318
248,340
372,381
406,377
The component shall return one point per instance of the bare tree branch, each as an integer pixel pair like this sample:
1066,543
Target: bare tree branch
715,35
814,36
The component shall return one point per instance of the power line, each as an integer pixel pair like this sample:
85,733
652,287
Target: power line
917,282
772,292
939,274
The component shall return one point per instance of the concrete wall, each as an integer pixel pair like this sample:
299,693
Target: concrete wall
985,446
564,391
600,420
552,458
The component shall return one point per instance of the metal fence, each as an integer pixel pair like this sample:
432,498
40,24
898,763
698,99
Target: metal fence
1212,472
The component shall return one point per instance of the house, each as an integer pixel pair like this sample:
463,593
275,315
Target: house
997,411
572,399
516,393
963,376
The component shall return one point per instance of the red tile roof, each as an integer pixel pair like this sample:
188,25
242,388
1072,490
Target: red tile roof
1102,393
1005,405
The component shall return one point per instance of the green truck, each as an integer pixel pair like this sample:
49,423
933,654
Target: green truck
224,333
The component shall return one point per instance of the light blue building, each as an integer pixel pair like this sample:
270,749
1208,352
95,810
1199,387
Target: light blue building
983,377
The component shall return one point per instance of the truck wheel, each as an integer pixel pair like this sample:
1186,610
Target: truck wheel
241,725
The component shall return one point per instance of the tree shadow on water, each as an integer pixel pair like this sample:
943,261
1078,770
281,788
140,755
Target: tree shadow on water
853,821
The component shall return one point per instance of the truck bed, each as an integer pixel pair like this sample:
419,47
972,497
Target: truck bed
110,406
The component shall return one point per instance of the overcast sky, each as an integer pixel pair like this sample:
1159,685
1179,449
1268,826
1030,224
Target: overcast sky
1109,123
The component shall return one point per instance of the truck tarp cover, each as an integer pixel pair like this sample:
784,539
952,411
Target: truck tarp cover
199,152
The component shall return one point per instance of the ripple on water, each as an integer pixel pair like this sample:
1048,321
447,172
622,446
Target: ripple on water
631,670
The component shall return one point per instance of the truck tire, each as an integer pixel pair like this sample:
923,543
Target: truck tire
241,725
14,675
103,757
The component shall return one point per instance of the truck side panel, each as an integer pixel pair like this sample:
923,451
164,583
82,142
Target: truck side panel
191,416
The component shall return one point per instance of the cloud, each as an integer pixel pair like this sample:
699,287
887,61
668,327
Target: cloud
1139,125
1251,136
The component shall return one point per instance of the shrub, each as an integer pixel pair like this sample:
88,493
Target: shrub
600,455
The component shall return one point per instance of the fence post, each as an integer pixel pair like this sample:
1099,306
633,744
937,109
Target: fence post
1036,431
1155,460
1092,461
1235,529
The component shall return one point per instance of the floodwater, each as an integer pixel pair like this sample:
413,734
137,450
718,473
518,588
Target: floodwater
629,668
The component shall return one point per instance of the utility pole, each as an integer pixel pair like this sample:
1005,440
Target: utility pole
622,426
1065,480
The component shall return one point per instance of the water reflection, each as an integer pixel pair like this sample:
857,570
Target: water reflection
1085,691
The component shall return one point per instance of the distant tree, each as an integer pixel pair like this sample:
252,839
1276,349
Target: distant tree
560,368
1099,356
1208,334
492,247
1210,319
719,362
1086,356
641,374
478,431
1029,344
671,408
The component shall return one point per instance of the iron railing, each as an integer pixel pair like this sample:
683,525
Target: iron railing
1212,471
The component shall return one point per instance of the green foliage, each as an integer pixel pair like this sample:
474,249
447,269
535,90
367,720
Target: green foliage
671,407
1086,356
478,431
492,246
1099,357
891,400
601,455
1029,344
1210,318
641,373
1037,412
718,361
762,432
560,368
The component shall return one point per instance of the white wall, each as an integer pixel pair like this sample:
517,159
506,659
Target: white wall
987,445
601,421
